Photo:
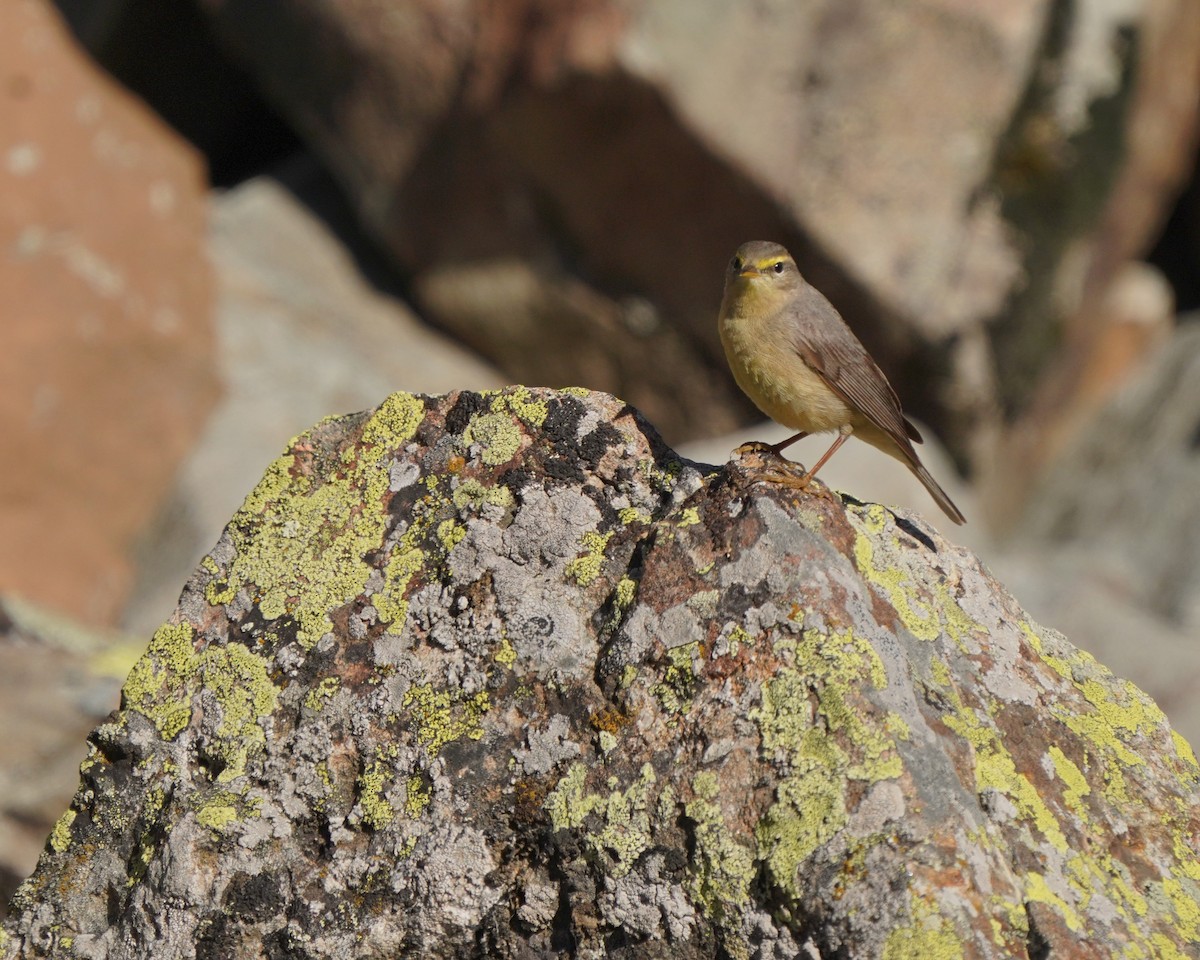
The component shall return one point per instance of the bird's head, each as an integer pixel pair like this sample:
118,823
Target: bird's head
761,271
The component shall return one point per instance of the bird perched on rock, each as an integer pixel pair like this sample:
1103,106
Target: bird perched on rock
795,357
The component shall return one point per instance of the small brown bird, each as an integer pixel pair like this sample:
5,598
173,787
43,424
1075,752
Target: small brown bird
795,357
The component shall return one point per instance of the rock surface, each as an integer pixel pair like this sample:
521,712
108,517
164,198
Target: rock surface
498,675
106,370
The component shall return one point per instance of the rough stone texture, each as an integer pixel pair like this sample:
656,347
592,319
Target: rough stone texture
593,164
498,675
106,356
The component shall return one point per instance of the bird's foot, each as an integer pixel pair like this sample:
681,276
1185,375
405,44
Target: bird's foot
753,446
801,479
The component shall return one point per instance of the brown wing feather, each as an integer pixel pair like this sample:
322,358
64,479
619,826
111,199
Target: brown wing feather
846,367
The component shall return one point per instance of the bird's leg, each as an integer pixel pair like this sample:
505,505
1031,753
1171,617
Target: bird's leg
778,448
843,436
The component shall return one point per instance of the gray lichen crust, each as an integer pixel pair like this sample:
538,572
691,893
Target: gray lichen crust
498,675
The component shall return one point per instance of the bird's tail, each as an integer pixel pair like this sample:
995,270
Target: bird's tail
938,494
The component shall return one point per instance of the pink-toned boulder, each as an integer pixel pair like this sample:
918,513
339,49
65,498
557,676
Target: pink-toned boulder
105,293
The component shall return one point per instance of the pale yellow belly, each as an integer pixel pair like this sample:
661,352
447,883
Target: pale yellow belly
781,384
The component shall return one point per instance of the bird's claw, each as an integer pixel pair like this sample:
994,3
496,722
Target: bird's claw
753,446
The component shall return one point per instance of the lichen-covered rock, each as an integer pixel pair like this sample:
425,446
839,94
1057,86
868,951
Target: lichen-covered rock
498,675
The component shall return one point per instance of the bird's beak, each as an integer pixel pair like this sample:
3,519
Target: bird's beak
749,270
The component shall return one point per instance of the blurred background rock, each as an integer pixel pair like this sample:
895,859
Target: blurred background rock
220,221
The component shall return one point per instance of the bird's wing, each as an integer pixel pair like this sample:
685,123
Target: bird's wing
846,367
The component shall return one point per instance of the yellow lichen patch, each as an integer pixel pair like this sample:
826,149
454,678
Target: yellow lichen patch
722,867
568,804
506,654
625,816
377,812
633,515
925,620
518,401
586,567
394,422
851,743
440,718
470,493
161,686
450,534
1076,783
404,563
737,637
928,937
240,682
678,685
302,545
1037,890
688,518
320,693
417,796
625,594
1183,750
220,809
166,667
995,768
497,434
1186,906
60,836
217,816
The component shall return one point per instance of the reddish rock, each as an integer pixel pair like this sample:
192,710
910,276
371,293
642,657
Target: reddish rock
106,363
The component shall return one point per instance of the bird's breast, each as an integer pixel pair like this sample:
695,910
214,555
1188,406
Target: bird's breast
772,374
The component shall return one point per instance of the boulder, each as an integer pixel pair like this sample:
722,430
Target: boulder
500,675
106,367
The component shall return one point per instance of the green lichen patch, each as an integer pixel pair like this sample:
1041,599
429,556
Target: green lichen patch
625,818
853,742
377,811
723,866
441,717
925,617
585,568
299,545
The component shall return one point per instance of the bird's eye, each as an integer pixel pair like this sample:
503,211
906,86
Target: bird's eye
779,266
736,263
